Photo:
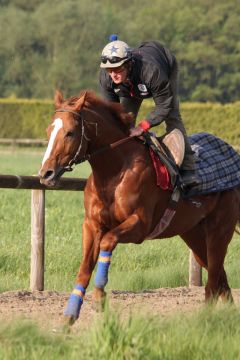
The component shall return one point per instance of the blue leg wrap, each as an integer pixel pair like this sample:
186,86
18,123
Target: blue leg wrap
75,301
104,260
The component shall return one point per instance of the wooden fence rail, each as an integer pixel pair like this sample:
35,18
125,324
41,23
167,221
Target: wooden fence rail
38,224
23,142
32,182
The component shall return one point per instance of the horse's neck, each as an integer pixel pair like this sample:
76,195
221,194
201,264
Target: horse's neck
102,127
113,163
103,130
106,162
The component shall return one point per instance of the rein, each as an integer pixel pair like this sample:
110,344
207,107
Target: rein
87,157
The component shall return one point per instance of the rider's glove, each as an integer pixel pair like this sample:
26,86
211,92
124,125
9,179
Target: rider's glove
140,129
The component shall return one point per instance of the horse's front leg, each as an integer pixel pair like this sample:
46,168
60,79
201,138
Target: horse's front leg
91,239
131,230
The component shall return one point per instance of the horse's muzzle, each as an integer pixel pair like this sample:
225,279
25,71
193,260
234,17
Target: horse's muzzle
49,177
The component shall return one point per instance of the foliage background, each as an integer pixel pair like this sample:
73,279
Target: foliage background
29,118
47,45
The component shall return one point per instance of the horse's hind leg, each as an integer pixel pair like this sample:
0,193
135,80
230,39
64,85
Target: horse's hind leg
217,284
225,291
196,241
220,225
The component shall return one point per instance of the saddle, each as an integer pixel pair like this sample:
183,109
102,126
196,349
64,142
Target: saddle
170,149
167,154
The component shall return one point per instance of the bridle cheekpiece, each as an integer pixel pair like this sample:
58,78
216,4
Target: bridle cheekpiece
74,160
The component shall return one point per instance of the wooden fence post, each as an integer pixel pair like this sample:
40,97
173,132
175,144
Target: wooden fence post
38,216
37,239
195,271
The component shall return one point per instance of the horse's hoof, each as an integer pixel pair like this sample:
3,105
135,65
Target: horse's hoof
227,298
67,322
211,301
99,305
64,327
99,300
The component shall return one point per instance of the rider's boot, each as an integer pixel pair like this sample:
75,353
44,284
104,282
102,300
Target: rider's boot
189,178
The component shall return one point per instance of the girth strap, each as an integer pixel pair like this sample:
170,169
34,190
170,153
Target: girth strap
167,216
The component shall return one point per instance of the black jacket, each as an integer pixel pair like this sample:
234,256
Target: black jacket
149,78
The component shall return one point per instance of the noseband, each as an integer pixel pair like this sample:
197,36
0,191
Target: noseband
86,157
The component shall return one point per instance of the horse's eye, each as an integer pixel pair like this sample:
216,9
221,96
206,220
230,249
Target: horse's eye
70,134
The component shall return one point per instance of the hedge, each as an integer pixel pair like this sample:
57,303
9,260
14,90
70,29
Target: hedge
24,118
217,119
29,118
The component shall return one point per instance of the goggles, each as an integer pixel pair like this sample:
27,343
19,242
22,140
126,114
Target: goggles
113,59
116,70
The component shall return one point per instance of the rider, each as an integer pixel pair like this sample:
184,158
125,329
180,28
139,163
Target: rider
149,71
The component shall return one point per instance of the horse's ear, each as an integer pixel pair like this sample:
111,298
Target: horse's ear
79,103
58,99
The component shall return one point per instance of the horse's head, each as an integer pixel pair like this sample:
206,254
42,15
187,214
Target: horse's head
66,139
80,124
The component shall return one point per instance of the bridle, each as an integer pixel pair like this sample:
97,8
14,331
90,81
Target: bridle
86,157
74,161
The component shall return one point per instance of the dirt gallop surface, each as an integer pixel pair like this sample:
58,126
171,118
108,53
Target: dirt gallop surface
46,307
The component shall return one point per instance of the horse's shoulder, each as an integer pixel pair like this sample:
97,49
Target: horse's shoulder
90,185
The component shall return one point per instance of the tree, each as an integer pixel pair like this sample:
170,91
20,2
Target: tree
47,45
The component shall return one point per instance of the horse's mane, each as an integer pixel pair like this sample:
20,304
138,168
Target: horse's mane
115,109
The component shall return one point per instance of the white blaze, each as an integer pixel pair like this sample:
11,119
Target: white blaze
57,124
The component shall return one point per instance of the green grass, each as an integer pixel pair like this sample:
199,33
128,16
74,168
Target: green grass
212,333
153,264
207,334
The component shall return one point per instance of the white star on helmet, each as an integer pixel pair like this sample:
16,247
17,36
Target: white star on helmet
114,49
115,54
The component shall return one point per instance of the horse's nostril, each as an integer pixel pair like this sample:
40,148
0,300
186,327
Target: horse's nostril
49,174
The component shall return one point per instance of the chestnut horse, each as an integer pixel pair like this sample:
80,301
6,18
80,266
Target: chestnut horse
122,202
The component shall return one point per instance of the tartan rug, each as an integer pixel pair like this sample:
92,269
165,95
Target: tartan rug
217,164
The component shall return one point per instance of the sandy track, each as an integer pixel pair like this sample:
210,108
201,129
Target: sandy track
46,307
